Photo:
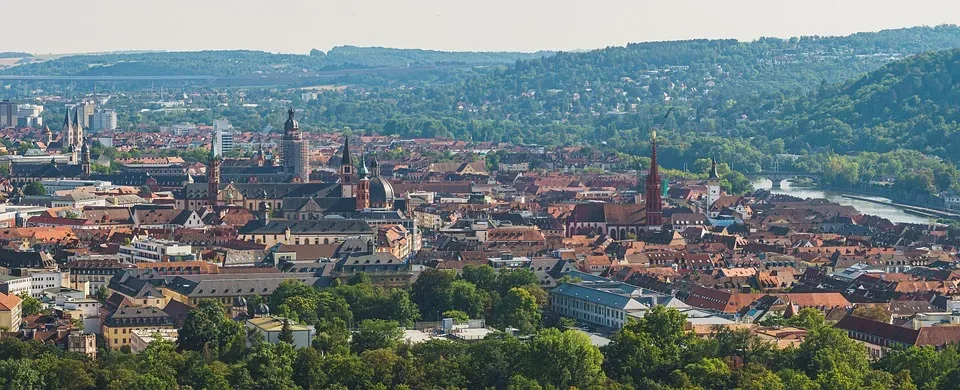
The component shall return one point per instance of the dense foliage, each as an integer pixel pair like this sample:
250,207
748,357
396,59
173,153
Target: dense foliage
655,352
909,104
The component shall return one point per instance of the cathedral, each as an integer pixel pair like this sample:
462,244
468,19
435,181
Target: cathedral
71,138
360,187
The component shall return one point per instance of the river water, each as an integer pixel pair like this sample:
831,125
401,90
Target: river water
891,212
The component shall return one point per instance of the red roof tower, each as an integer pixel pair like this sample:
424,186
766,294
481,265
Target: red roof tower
654,204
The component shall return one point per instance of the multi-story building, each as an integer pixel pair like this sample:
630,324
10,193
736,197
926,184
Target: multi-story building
105,120
323,231
222,137
54,185
8,113
162,166
28,115
10,312
602,307
85,112
80,342
428,217
15,284
94,269
41,280
384,269
119,326
190,289
155,250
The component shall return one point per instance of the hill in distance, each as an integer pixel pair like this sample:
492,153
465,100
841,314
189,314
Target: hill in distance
243,62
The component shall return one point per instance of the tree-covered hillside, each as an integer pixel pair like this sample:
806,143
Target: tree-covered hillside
914,104
245,62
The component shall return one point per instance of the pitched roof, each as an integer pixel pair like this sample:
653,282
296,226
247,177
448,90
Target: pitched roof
9,302
335,226
938,335
880,329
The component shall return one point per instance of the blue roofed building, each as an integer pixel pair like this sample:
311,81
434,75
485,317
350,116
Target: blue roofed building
599,306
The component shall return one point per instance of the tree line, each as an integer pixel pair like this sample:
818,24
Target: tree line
359,345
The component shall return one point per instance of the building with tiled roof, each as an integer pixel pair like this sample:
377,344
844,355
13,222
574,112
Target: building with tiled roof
119,326
96,270
167,219
879,337
10,312
616,220
515,235
326,231
225,287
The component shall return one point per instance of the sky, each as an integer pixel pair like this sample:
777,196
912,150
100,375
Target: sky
296,26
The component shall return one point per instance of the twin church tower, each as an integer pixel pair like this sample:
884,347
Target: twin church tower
360,182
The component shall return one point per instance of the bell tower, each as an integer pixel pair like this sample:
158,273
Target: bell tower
213,177
713,187
347,181
363,186
85,160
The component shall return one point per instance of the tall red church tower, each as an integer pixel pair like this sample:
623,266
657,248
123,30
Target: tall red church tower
654,204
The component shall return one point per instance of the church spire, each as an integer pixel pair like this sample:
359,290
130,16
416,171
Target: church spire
77,128
345,158
713,170
66,120
653,201
364,172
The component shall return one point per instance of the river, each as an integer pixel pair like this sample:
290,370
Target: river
891,212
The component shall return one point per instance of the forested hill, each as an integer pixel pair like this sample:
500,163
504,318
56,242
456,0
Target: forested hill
913,103
719,69
243,62
609,95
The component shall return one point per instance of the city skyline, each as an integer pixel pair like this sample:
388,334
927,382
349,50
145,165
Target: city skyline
296,26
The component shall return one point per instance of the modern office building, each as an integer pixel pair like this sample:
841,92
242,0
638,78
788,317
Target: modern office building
601,306
155,250
222,137
28,115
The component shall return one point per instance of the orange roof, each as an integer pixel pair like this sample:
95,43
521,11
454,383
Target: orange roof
831,299
9,302
519,234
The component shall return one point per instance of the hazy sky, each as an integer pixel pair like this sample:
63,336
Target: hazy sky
295,26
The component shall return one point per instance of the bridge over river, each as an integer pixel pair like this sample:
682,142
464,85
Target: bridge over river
778,177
